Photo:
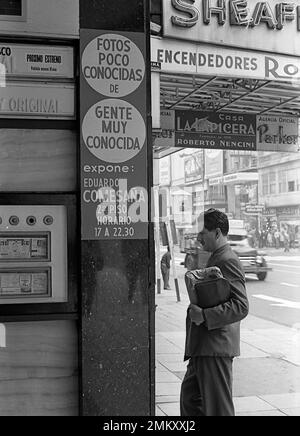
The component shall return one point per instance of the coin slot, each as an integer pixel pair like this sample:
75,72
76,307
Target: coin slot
31,220
14,220
48,220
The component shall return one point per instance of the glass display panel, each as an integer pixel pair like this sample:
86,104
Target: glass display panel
25,247
18,282
11,7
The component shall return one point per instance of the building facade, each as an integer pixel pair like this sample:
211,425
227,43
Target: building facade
78,79
76,304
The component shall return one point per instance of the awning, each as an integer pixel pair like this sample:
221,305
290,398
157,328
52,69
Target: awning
181,192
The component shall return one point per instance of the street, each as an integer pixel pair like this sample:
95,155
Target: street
267,373
277,298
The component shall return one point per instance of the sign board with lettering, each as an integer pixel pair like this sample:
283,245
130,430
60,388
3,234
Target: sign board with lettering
270,26
22,61
214,130
113,136
181,57
38,100
234,131
166,136
255,209
240,178
278,133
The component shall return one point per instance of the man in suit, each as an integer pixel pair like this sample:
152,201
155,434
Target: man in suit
213,334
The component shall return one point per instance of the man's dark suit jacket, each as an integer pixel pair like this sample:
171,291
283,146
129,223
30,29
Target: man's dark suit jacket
220,334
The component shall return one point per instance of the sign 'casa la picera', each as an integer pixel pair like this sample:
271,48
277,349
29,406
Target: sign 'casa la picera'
240,23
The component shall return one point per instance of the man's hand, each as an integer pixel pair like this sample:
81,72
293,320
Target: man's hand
196,314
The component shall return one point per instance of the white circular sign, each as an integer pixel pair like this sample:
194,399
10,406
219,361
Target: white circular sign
113,65
114,131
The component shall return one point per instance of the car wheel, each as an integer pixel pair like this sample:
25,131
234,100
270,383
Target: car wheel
262,275
190,262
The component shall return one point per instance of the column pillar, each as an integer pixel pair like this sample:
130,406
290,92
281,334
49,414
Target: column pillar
117,256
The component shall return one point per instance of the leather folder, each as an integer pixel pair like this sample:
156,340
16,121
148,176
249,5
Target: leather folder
211,293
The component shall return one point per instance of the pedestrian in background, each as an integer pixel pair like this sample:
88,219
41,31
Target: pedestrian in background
292,235
281,238
213,334
286,240
277,239
165,266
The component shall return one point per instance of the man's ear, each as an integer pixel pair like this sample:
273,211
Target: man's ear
218,233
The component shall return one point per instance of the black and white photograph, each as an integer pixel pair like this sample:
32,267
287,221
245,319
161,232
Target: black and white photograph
149,211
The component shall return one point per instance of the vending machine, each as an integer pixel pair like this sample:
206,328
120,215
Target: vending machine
33,254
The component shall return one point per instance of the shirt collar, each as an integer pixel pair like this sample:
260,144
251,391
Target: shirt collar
220,250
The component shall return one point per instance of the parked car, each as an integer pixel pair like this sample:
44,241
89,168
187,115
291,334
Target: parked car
252,259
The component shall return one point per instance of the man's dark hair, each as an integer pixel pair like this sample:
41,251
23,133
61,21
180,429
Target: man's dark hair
215,219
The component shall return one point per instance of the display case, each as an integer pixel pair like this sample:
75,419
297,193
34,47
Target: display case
33,254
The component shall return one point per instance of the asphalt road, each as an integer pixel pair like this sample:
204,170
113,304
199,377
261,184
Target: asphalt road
278,297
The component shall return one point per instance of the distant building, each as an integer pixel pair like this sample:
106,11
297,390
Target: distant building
279,187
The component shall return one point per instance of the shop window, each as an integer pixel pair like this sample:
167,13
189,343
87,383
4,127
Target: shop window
282,181
293,178
272,183
265,184
291,186
253,162
12,10
246,162
236,164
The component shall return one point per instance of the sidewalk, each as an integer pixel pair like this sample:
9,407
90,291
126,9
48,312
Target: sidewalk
266,376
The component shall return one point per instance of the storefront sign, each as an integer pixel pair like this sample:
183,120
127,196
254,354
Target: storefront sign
213,163
240,178
213,130
166,136
285,210
194,167
37,61
234,131
268,26
113,143
216,181
277,133
187,58
22,100
254,208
